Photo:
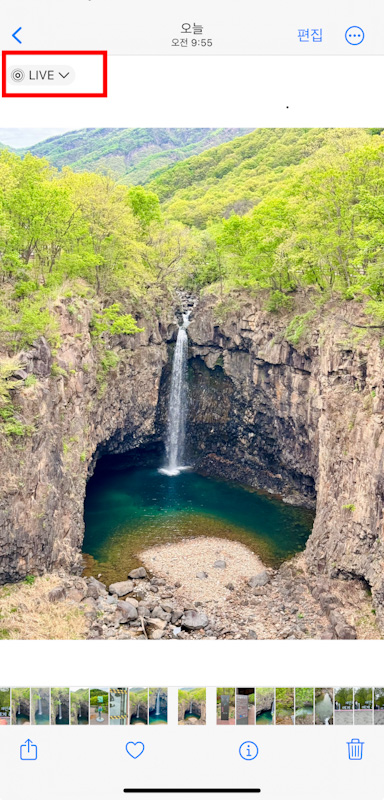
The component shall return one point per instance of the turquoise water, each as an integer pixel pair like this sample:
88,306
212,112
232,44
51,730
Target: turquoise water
22,719
191,716
63,721
42,719
266,718
157,720
130,509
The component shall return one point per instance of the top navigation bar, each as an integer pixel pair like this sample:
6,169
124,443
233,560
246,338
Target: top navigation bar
194,28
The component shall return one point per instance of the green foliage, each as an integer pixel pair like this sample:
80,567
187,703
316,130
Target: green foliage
29,580
349,507
111,320
31,380
285,212
343,696
298,327
109,360
57,371
132,154
10,422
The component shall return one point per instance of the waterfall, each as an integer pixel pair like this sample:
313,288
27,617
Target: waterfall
157,711
177,403
138,711
190,707
60,715
272,708
39,711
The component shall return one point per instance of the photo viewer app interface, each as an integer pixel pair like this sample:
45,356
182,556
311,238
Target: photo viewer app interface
191,400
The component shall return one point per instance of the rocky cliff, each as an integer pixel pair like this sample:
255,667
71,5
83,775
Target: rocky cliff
303,421
78,410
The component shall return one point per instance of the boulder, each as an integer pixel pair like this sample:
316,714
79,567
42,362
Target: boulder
159,613
100,586
76,595
177,613
156,634
121,588
93,591
140,572
57,594
259,580
143,610
202,575
345,631
166,606
194,620
127,611
154,624
220,564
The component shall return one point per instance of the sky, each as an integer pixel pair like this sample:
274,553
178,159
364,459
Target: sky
26,137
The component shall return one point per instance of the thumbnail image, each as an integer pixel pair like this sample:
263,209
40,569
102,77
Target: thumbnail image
324,706
80,706
379,707
138,706
343,706
363,706
158,706
173,292
265,706
225,706
60,706
98,706
40,707
245,706
118,706
21,706
191,706
5,706
285,706
304,706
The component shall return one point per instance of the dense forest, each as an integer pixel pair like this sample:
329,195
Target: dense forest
287,213
134,155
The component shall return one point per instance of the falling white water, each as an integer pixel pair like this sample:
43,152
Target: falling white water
60,715
177,404
40,710
138,711
157,712
190,707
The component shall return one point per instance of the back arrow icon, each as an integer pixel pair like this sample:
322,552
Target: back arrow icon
14,35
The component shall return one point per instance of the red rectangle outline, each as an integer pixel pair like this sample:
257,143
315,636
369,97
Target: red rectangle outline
6,53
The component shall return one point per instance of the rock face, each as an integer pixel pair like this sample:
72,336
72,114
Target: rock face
78,414
304,422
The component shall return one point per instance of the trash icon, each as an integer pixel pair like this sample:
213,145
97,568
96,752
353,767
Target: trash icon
355,750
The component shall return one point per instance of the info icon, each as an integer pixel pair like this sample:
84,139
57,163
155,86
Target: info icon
248,751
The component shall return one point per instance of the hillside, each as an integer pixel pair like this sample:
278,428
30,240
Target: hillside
132,154
233,177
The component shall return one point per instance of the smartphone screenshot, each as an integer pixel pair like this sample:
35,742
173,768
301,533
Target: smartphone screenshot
191,400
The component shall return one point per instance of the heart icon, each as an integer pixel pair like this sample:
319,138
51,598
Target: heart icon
134,749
